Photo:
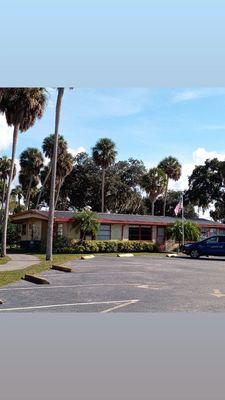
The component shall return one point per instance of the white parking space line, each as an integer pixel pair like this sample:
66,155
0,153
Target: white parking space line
137,285
217,293
119,306
118,302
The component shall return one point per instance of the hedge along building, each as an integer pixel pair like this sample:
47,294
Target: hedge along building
112,226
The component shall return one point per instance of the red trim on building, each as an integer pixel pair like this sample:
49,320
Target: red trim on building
112,221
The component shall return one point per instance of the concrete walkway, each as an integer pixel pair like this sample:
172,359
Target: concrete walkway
19,261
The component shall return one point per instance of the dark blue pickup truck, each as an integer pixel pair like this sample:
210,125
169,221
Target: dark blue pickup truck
212,246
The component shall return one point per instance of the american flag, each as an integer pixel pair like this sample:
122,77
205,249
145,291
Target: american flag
179,207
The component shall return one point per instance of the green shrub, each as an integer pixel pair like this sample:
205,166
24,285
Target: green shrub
125,246
64,245
192,231
60,243
13,234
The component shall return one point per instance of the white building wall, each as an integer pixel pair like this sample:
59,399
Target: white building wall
71,232
154,233
125,232
116,232
33,231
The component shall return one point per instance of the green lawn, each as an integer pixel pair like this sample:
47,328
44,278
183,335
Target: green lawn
12,276
4,260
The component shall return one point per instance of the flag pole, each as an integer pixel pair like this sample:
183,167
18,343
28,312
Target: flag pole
182,219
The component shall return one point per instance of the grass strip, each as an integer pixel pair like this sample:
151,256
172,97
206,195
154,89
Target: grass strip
7,277
4,260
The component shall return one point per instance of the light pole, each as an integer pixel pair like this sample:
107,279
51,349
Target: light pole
182,205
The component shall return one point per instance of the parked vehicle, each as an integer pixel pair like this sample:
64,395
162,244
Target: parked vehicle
212,246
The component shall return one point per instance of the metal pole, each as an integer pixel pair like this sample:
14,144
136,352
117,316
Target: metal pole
182,219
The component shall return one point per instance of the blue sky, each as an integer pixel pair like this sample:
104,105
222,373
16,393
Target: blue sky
148,124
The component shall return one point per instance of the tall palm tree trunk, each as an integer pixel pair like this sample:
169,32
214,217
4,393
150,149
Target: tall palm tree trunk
103,190
53,179
61,182
44,184
57,193
27,202
165,197
6,211
3,200
153,207
3,193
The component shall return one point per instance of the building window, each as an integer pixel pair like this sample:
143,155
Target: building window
140,233
60,230
34,231
104,232
134,233
146,233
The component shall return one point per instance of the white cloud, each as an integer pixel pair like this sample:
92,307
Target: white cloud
16,180
205,214
76,151
117,103
182,184
6,134
199,156
193,94
186,95
46,161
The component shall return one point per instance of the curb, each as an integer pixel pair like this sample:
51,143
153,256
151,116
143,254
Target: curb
125,255
87,257
36,279
61,268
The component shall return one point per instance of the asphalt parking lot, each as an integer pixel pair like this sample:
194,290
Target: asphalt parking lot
135,284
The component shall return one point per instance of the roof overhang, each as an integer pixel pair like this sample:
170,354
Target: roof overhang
25,215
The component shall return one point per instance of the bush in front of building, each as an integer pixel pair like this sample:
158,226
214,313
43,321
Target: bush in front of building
61,242
13,235
192,231
65,245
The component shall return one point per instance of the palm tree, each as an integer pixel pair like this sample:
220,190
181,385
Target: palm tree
53,178
48,147
64,168
21,107
192,231
31,162
154,183
172,168
5,166
17,192
87,223
104,155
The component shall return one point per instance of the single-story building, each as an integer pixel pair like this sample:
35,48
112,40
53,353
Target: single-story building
112,226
